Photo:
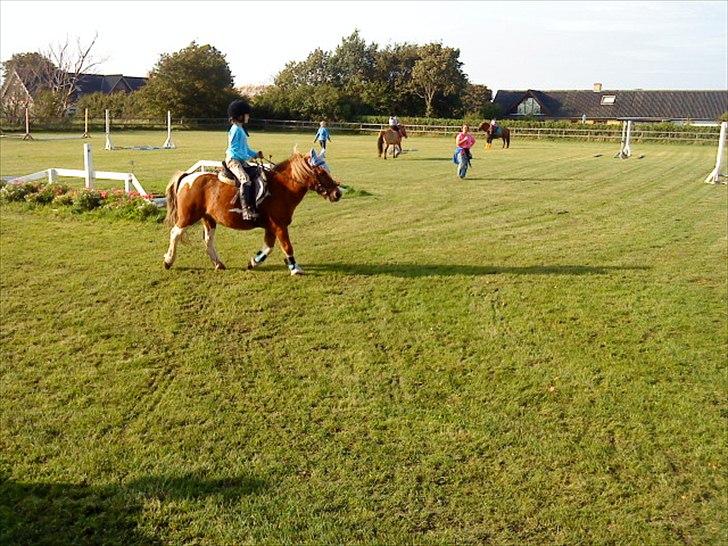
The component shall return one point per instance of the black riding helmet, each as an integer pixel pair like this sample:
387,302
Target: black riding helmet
238,108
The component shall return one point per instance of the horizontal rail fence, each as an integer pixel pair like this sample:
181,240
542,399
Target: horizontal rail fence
598,134
581,132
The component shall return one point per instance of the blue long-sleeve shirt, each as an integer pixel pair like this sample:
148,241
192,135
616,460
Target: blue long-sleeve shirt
238,144
322,135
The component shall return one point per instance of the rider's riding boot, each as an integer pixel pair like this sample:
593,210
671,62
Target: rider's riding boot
248,202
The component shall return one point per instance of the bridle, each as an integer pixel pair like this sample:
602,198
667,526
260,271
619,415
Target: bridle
320,188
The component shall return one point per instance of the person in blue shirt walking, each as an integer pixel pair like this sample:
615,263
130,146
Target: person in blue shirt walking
323,135
238,152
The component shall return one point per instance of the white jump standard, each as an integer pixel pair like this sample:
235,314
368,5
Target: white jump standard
720,161
168,144
625,151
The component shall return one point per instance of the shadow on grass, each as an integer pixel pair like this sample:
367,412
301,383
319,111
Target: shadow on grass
438,158
451,270
63,513
536,179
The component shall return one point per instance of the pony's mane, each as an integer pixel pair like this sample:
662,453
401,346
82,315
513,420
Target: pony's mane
298,166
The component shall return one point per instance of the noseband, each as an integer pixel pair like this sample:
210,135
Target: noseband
320,189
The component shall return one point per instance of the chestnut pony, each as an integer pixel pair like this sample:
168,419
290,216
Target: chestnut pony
390,137
201,196
505,134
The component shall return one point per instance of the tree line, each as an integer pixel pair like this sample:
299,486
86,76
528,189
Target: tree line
355,79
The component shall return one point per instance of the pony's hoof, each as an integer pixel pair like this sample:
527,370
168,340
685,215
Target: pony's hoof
296,271
167,265
251,264
219,266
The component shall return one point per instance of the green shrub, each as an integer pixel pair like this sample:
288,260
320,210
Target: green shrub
46,194
64,200
132,207
17,192
86,200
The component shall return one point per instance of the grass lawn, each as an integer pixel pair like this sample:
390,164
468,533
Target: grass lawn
534,355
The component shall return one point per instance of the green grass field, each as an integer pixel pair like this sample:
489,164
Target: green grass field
534,355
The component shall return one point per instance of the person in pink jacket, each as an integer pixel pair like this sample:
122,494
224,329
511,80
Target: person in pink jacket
464,140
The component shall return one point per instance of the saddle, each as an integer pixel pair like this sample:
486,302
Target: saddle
252,194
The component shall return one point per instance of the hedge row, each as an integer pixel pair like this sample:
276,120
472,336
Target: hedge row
114,203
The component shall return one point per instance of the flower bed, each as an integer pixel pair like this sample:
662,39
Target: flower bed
114,203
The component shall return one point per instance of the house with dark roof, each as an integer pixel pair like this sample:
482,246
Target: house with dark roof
605,106
20,91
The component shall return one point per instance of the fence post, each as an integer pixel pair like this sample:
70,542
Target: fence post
88,166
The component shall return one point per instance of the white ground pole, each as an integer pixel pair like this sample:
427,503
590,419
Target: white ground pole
109,145
624,150
715,175
85,124
168,144
27,135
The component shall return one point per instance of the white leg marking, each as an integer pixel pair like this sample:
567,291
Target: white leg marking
209,235
174,236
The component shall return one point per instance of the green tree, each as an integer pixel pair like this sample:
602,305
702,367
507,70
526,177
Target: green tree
353,62
394,69
120,105
28,65
476,97
438,70
490,111
194,82
315,70
46,106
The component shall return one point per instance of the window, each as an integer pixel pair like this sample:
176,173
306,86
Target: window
529,107
608,100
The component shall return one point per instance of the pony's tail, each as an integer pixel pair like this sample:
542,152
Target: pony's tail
380,143
171,192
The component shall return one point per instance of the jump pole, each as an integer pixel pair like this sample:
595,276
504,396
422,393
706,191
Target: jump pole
109,145
715,175
27,135
85,124
168,144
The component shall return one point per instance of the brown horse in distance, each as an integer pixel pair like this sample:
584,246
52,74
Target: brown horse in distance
202,196
505,134
390,137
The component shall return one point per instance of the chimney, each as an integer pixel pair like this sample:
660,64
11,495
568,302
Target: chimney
597,88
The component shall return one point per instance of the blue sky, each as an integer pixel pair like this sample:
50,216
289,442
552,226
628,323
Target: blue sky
505,45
